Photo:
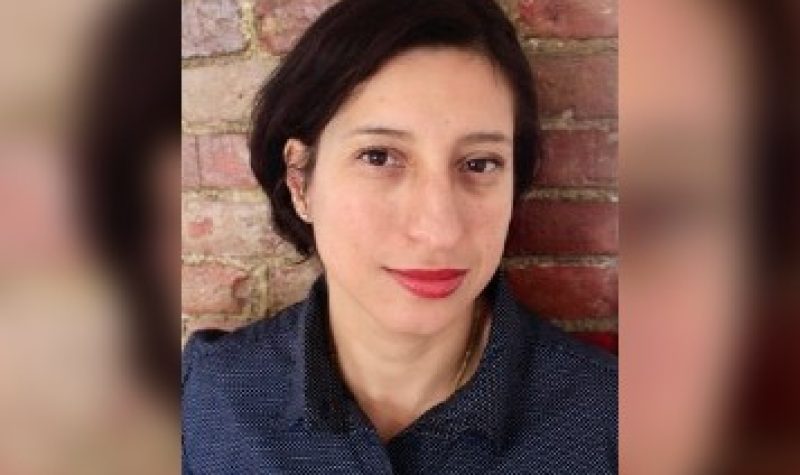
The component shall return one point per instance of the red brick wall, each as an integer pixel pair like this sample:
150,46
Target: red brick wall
561,255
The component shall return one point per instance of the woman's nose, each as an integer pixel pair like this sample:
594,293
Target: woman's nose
434,215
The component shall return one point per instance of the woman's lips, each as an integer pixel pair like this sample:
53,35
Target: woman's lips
429,283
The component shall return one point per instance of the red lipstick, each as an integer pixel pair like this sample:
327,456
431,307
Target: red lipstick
429,283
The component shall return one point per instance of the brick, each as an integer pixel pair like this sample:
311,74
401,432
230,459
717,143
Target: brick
282,22
563,227
225,161
608,341
578,158
213,288
210,27
568,18
566,292
216,95
290,283
190,173
579,86
222,228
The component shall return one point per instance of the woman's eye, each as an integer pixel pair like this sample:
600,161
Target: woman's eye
378,157
481,165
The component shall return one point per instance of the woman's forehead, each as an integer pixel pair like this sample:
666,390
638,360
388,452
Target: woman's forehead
426,90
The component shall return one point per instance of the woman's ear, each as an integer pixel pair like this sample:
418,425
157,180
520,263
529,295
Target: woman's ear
295,155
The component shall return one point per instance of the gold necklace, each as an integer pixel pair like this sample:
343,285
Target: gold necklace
473,341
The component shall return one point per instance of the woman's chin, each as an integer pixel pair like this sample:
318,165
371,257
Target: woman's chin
417,318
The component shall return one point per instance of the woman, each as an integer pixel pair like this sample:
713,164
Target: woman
393,142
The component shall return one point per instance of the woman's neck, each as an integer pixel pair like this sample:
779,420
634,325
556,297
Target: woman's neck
395,377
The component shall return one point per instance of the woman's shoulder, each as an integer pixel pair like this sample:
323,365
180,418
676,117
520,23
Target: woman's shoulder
556,347
220,350
572,386
578,375
550,347
241,381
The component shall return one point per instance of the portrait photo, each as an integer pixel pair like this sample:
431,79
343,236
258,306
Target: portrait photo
409,237
399,236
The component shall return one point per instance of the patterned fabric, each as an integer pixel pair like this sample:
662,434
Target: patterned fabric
266,399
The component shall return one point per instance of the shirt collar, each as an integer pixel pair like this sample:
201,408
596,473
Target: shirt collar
318,395
320,398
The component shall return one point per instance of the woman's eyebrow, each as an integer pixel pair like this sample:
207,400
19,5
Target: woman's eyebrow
379,130
480,137
471,138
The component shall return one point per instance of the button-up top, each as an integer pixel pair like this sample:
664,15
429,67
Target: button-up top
267,399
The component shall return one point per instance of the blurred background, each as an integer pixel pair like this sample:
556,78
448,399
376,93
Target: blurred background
709,288
89,240
129,218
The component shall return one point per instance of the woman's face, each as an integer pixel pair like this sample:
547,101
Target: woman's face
415,171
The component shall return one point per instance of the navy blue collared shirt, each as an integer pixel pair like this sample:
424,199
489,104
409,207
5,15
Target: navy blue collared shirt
266,399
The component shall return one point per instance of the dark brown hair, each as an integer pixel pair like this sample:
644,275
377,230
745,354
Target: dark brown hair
346,46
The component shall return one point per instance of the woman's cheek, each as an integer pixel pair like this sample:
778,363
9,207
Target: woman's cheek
350,217
489,215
